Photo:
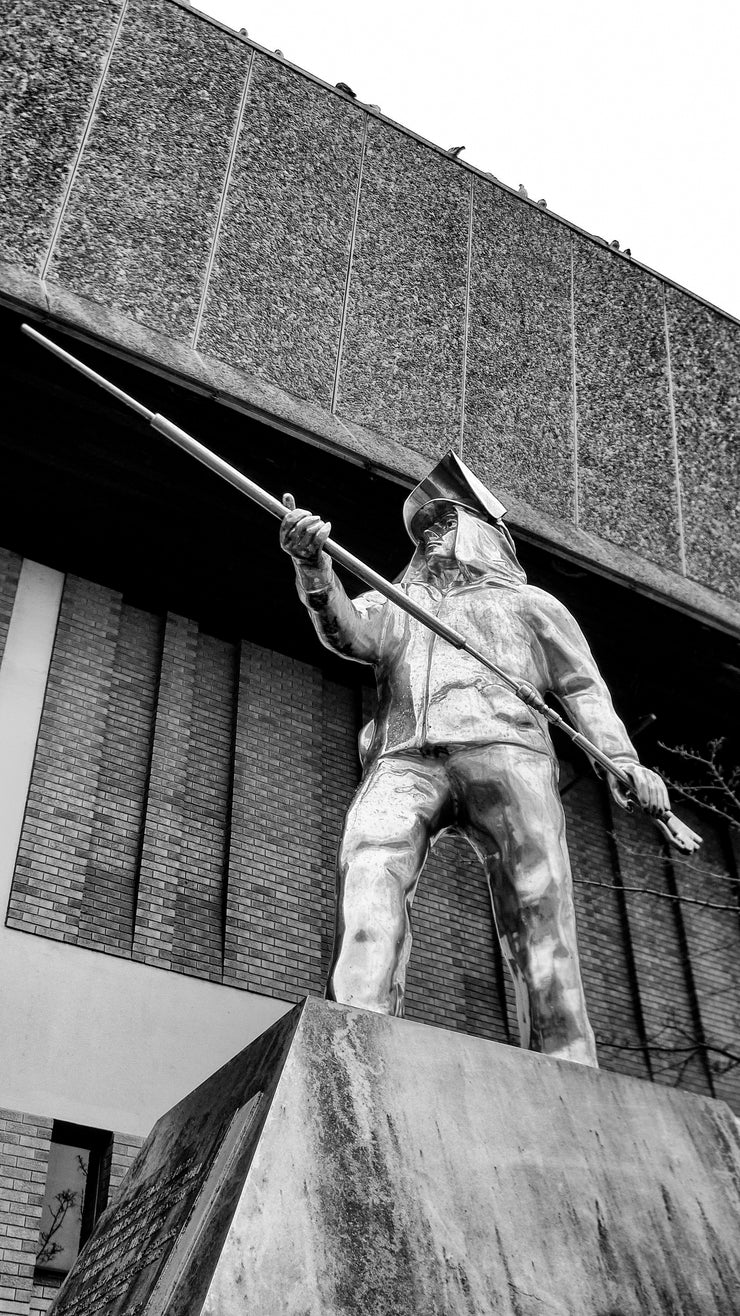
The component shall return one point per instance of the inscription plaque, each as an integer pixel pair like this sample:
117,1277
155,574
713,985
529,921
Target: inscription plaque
130,1265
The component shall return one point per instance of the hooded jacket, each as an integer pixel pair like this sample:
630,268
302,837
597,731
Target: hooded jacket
431,695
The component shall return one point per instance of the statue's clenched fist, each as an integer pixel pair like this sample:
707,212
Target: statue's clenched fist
649,790
302,534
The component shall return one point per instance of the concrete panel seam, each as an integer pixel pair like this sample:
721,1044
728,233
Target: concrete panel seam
348,278
467,314
574,381
674,435
83,143
222,204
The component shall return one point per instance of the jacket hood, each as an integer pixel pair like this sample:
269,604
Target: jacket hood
484,548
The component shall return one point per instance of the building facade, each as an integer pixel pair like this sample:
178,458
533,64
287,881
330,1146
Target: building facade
330,303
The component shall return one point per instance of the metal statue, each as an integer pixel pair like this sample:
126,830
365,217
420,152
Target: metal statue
461,740
453,748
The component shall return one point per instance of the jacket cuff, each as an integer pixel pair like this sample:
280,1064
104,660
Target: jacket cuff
314,579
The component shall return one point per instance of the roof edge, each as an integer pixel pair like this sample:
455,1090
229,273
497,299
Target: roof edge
483,174
109,330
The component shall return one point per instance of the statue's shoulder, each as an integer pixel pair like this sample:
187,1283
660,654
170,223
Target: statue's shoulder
535,602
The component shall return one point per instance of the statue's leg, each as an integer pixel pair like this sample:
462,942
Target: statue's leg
385,841
516,823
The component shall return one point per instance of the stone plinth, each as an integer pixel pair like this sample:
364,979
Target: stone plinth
351,1163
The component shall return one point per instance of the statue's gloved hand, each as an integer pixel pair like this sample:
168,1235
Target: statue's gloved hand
303,535
648,788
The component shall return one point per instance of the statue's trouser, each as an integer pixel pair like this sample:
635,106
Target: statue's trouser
504,798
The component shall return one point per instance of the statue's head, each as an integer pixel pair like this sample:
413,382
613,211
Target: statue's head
450,481
455,522
435,527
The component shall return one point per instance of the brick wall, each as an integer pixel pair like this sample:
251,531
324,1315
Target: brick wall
125,1149
603,934
185,807
10,567
24,1156
278,875
77,861
708,885
663,974
183,856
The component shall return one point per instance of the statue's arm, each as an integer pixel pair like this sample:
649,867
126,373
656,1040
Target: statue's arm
579,685
350,628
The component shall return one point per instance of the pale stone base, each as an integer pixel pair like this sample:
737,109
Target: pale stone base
392,1169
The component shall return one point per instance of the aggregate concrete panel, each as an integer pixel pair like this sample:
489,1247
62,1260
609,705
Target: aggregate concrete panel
401,367
275,299
140,220
518,393
50,71
626,484
705,366
67,313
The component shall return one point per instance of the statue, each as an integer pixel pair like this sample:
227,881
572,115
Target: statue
459,741
453,748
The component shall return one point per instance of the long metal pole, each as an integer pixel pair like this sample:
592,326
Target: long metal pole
673,828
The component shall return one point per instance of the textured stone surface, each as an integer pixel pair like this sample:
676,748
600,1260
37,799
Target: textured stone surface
705,361
275,299
518,393
515,1185
49,72
267,402
626,479
401,368
137,236
137,232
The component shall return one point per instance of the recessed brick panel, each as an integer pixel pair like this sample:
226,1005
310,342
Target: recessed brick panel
710,889
277,894
655,924
454,977
183,856
602,943
75,877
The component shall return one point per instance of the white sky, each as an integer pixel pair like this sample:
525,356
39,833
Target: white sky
623,116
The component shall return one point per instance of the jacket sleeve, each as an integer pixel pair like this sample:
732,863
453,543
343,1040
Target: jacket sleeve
350,627
574,677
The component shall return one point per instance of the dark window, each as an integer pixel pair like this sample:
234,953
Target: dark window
76,1193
